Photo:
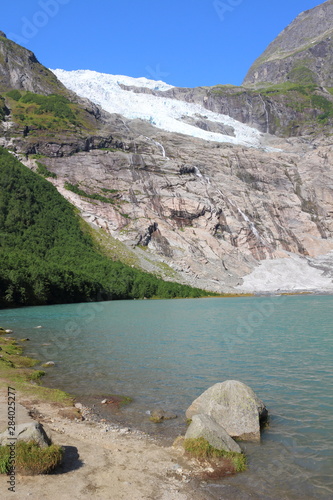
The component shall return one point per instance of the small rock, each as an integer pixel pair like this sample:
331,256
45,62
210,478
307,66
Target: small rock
126,430
48,363
159,415
104,402
9,331
176,467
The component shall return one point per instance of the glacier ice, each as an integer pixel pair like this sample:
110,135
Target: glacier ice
164,112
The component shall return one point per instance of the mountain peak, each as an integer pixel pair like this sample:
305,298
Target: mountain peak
301,53
20,69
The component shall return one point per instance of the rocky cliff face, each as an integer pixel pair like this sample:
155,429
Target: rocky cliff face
199,212
288,110
206,213
301,53
20,69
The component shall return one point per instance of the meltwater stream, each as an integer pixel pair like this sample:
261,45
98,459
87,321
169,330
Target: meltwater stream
166,353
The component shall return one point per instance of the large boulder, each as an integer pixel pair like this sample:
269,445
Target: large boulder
205,427
31,431
234,406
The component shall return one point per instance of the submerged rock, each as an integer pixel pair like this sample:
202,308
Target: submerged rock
234,406
159,415
205,426
48,363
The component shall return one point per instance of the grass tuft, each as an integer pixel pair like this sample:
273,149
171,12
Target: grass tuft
31,459
36,375
44,171
201,449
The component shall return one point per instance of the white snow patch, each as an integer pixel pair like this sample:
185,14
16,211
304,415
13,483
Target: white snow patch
163,112
292,273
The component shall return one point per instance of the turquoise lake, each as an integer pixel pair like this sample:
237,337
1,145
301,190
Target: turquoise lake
166,353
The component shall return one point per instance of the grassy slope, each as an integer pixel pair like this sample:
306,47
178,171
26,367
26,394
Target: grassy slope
49,117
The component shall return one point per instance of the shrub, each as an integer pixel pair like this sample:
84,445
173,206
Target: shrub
31,459
55,104
14,94
2,109
45,172
94,196
36,375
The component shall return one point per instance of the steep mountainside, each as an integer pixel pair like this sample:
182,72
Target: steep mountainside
20,69
37,120
302,53
205,212
289,89
285,110
199,198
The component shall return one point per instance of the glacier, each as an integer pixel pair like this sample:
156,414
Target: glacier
161,111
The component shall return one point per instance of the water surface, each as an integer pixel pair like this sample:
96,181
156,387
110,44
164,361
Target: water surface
166,353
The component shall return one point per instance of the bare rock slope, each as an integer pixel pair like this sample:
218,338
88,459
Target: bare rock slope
302,52
206,213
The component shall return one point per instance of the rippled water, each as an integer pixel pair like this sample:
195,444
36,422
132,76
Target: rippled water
165,353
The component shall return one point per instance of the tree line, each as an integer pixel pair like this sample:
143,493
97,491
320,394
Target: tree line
46,258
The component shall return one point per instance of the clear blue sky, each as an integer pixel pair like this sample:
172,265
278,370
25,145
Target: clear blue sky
186,43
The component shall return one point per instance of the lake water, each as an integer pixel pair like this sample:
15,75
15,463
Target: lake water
166,353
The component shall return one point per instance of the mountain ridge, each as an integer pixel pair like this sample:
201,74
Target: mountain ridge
301,53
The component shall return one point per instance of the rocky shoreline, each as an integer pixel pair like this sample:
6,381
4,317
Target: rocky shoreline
101,459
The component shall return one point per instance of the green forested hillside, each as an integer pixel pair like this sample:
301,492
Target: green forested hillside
45,258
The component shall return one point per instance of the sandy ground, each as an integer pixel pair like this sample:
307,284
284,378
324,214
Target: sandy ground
101,462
